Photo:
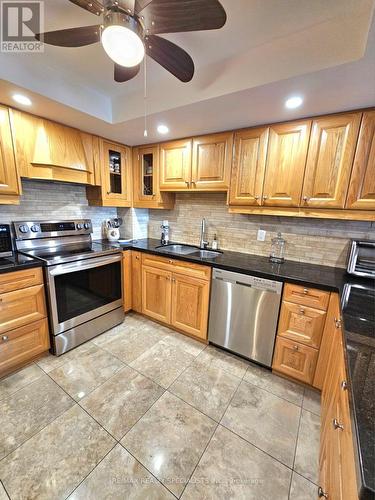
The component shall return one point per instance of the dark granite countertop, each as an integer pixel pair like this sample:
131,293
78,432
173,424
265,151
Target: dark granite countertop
18,262
359,329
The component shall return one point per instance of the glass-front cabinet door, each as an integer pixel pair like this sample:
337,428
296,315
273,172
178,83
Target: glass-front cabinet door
117,173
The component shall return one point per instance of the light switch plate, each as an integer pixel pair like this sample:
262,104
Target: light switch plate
261,235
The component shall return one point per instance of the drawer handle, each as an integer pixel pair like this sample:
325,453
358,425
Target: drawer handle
322,493
337,425
5,338
305,291
295,348
170,261
337,323
344,385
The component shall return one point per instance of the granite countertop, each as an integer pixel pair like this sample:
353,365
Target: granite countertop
358,327
18,262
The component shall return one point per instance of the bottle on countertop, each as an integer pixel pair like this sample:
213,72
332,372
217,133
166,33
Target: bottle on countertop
214,243
164,232
277,249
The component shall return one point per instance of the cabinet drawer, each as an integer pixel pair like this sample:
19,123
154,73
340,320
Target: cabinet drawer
177,266
23,344
295,360
306,296
21,307
301,324
20,279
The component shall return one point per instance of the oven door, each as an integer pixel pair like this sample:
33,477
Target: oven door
82,290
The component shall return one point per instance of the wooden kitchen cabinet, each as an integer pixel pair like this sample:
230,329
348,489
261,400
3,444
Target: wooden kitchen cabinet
10,187
175,165
249,163
285,167
295,360
361,194
306,296
136,263
146,180
116,176
330,159
127,280
211,162
156,293
190,299
51,151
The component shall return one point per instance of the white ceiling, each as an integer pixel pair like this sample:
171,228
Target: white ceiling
268,50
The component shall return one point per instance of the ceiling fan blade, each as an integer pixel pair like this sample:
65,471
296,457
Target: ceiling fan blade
128,5
175,16
124,74
141,4
94,6
171,57
71,37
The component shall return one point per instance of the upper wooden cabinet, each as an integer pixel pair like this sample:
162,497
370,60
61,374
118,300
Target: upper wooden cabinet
286,159
115,173
9,181
361,194
51,151
175,165
249,162
330,160
212,160
146,180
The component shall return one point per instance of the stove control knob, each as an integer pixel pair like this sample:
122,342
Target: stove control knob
35,228
86,225
79,226
23,229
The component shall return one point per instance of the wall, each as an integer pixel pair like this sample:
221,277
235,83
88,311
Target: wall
135,222
55,200
319,241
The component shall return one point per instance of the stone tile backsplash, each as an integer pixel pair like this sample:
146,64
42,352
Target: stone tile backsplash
319,241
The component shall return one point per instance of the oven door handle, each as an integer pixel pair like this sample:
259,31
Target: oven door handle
82,265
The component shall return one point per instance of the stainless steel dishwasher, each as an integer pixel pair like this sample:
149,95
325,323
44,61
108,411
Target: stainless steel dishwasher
243,314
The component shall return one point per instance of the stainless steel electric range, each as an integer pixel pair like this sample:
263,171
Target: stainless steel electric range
83,278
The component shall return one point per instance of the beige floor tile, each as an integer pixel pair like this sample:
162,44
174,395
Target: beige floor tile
52,463
307,453
85,373
265,420
311,401
169,440
208,389
30,409
163,363
49,362
18,380
302,489
121,401
191,346
3,495
224,360
232,468
119,476
265,379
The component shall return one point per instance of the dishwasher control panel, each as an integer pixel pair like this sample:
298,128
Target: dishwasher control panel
249,281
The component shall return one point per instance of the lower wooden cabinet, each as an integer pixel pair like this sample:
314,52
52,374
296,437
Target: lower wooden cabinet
136,269
21,307
156,293
127,280
295,360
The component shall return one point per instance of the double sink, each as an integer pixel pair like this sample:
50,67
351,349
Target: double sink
188,250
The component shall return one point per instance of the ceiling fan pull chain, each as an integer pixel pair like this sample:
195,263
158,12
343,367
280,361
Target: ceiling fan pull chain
145,133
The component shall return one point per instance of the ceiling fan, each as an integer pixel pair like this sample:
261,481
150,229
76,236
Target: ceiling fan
130,27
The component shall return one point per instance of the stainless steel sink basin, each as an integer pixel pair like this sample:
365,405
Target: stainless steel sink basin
178,249
206,254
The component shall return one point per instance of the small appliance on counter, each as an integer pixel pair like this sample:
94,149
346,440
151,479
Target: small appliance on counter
361,261
112,229
5,241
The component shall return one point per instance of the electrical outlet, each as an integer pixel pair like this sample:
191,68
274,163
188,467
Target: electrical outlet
261,235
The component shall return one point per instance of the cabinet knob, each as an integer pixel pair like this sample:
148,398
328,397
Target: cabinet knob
344,385
305,291
322,493
170,261
167,278
173,279
265,197
337,322
187,183
5,338
193,182
306,199
295,347
137,257
336,424
256,197
302,310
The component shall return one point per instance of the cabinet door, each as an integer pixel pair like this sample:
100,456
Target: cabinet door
295,360
127,279
136,281
116,176
175,165
9,182
249,163
190,298
361,195
301,324
286,160
212,159
156,294
21,307
330,159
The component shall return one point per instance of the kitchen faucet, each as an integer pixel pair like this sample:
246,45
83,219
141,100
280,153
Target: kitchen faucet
203,243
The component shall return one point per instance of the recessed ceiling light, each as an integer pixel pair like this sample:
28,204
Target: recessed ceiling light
22,99
293,102
163,129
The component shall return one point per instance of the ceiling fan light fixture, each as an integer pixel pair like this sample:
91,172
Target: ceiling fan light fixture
121,41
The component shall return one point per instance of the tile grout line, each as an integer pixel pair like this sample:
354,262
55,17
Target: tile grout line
3,485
